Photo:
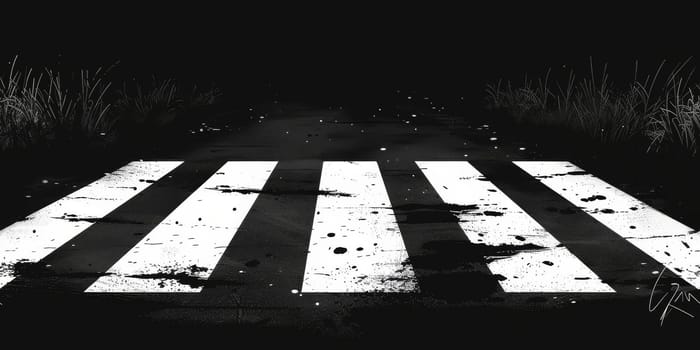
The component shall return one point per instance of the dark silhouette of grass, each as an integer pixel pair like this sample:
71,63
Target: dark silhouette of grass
42,110
658,111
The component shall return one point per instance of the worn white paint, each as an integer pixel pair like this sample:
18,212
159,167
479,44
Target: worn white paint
354,213
668,241
488,216
47,229
182,251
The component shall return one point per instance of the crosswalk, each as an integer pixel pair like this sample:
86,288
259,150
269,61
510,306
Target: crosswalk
192,239
666,240
46,230
493,219
355,244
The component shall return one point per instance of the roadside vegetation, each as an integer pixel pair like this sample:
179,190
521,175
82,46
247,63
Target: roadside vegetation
656,112
43,110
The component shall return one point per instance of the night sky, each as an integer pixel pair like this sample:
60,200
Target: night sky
341,52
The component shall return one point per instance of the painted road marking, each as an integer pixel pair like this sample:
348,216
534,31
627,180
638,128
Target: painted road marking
355,244
181,252
666,240
47,229
529,257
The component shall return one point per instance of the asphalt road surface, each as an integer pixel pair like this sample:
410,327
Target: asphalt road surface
395,225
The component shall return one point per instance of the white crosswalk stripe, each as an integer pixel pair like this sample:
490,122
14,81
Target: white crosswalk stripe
183,250
356,245
533,260
668,241
44,231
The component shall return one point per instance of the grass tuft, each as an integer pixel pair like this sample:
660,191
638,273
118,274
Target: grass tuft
660,108
41,110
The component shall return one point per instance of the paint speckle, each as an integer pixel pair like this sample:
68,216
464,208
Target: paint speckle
340,250
593,198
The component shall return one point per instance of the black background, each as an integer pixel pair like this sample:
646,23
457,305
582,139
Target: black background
346,51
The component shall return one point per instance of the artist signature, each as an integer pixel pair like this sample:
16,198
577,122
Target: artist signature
671,299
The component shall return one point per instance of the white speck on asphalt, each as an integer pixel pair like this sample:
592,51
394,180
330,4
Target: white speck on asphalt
382,149
295,291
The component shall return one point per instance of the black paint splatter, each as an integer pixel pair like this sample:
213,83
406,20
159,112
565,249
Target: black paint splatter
594,198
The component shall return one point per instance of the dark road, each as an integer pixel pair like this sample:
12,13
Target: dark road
392,224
